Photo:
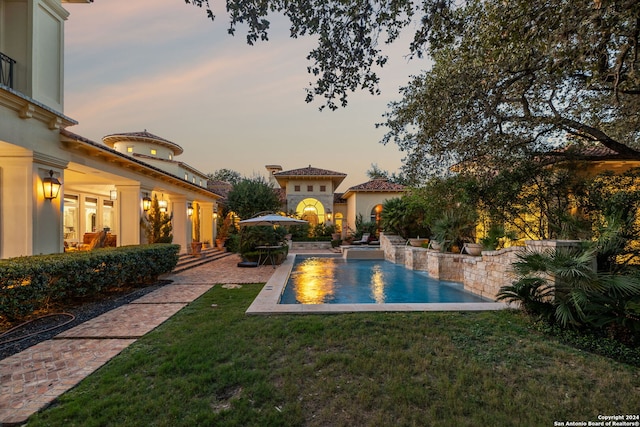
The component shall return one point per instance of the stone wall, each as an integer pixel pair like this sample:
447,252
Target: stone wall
483,275
393,247
307,246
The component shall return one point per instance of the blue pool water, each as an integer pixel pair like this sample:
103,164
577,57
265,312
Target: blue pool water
318,280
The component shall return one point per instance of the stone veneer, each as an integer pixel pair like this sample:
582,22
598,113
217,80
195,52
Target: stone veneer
483,275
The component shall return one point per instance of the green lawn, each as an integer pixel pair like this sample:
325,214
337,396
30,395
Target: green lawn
215,366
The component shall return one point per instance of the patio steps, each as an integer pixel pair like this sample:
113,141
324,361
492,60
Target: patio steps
187,261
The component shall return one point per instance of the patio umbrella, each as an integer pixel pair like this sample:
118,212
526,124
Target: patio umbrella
271,219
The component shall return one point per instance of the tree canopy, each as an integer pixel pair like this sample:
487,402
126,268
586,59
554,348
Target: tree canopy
226,175
252,195
510,80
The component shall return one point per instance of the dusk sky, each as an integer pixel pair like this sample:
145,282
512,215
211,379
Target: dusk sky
161,65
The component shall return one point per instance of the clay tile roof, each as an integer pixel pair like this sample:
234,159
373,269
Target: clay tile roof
378,185
337,198
309,171
221,188
143,136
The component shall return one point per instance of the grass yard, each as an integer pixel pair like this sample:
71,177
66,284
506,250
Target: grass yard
215,366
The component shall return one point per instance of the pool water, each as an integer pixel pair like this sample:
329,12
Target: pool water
332,280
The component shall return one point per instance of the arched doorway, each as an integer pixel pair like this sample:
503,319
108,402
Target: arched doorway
311,210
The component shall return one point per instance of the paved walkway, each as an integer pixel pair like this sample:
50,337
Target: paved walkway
33,379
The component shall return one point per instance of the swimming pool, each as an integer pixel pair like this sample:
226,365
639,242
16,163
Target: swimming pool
333,280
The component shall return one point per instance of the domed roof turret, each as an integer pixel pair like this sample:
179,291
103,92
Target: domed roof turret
144,136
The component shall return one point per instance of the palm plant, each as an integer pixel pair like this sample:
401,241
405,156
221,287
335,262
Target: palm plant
454,228
565,286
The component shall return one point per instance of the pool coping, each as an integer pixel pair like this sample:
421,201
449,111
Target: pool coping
266,302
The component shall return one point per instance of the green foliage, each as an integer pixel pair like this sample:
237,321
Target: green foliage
250,237
364,227
405,216
496,236
507,83
251,196
196,222
564,287
397,178
225,175
454,228
157,225
30,283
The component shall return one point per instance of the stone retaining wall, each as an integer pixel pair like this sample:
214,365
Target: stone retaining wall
306,246
483,275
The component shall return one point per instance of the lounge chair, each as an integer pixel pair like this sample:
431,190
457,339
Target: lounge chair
363,241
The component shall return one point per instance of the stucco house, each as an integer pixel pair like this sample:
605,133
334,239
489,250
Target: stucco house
102,185
312,194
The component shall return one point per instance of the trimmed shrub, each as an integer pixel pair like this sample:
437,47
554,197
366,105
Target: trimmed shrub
30,283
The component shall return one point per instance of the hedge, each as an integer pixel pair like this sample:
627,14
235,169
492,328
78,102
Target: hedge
30,283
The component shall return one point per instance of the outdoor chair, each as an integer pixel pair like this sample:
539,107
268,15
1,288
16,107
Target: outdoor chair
363,241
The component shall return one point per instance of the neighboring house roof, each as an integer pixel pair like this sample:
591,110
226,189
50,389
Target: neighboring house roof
309,173
125,159
144,136
221,188
592,152
377,185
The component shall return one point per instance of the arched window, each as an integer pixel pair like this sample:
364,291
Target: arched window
376,215
311,210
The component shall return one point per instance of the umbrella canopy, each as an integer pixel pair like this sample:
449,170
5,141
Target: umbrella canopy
270,220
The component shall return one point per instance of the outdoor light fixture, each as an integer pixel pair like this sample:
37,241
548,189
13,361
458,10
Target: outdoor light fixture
113,194
50,186
215,215
146,203
329,215
162,204
189,209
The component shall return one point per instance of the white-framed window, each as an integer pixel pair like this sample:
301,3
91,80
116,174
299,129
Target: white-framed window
71,219
90,214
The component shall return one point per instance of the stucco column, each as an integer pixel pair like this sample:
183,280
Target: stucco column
29,223
206,222
181,223
129,214
17,198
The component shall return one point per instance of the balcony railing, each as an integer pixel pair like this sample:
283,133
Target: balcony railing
6,70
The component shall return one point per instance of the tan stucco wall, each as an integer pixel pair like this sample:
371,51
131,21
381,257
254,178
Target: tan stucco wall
362,203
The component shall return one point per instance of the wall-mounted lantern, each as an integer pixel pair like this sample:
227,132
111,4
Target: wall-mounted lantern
146,202
162,204
113,195
50,186
189,209
329,215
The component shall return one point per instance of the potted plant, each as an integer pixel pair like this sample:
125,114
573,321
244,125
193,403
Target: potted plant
224,229
474,249
418,242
